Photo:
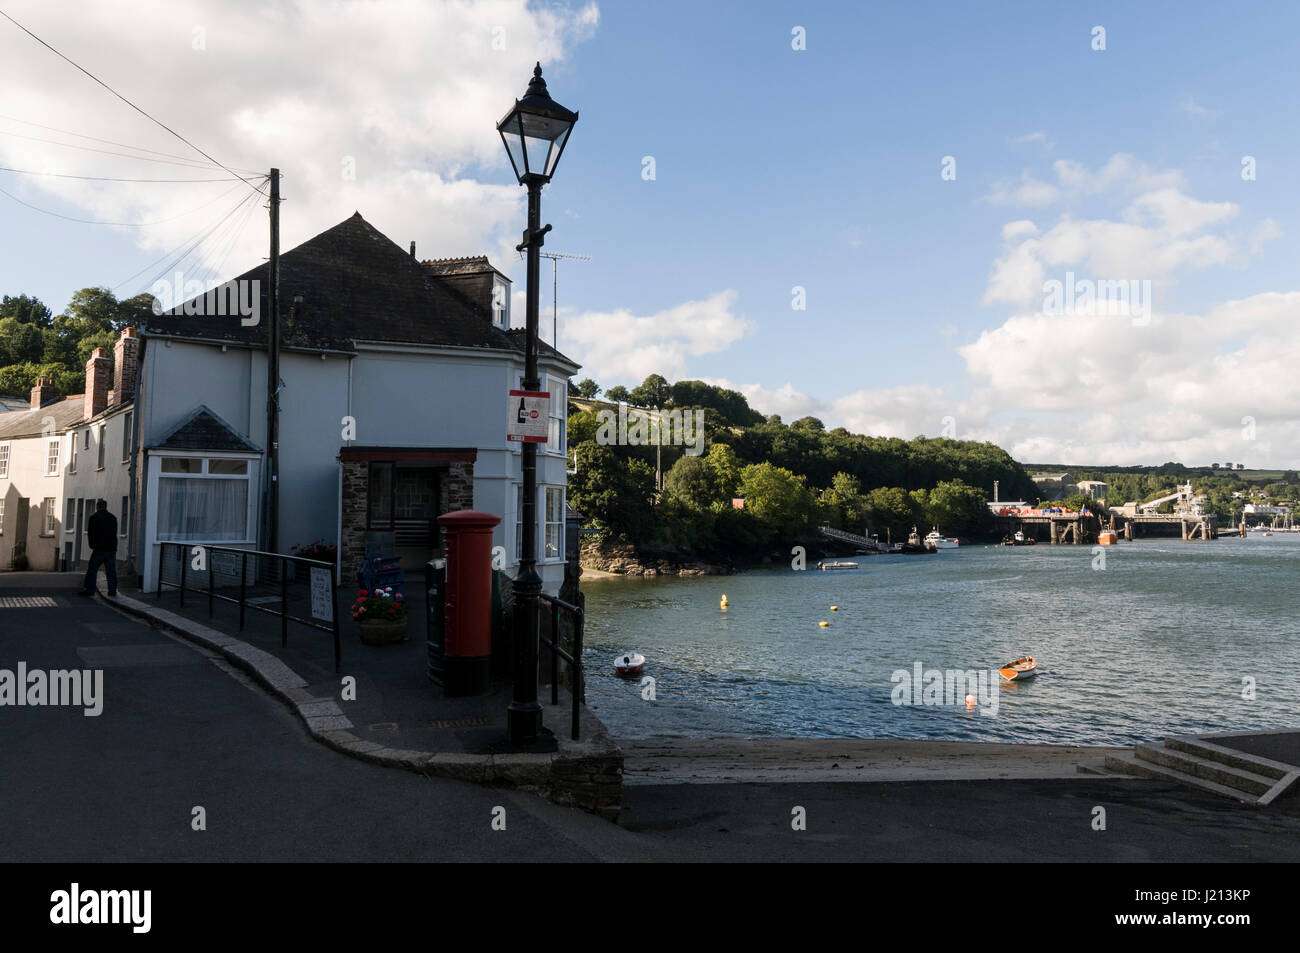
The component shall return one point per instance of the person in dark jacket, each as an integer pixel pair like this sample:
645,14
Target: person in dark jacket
101,533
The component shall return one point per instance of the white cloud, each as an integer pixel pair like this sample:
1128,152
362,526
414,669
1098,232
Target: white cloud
408,94
620,345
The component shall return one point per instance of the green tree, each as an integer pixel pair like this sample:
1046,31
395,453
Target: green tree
777,500
617,394
726,467
20,341
956,507
652,392
891,510
26,310
692,481
588,388
614,491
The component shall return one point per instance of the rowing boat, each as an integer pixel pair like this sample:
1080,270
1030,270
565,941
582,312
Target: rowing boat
1021,668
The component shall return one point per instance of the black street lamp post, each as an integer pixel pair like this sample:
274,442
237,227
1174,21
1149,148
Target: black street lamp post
534,132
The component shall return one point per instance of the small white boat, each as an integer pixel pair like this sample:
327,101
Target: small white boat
1021,668
837,565
629,665
939,541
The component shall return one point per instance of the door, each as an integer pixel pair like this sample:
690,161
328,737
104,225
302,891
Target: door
76,542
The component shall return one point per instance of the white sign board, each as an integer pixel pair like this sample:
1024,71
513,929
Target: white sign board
322,595
527,419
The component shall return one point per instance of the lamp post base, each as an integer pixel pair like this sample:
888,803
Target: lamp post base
523,723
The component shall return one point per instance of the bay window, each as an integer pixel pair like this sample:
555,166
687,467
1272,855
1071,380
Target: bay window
203,498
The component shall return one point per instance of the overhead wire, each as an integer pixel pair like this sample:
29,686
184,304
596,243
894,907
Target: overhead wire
157,122
90,221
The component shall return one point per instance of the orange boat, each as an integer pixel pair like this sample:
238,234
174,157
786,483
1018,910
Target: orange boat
1107,537
1021,668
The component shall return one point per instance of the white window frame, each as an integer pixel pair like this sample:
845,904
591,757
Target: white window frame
558,388
251,476
53,460
501,316
2,515
48,505
546,523
100,449
4,461
69,515
126,435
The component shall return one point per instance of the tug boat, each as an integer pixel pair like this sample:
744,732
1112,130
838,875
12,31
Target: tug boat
1021,668
629,665
939,541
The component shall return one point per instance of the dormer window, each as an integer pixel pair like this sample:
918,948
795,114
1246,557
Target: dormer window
501,302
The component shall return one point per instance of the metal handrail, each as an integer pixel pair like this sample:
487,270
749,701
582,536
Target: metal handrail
242,601
576,688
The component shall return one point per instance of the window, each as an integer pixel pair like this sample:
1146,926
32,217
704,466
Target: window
4,459
47,513
86,444
501,303
69,515
554,522
102,432
197,501
52,457
122,524
519,522
72,463
126,437
559,389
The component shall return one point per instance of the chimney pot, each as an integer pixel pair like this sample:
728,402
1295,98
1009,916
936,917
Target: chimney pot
412,251
126,355
43,392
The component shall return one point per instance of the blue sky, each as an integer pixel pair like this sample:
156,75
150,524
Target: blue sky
777,168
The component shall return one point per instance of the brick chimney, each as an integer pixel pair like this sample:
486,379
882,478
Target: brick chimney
97,373
126,354
43,392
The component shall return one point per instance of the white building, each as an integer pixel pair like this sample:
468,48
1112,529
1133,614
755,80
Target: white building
59,456
394,377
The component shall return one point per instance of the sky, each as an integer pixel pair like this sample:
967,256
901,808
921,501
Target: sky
887,216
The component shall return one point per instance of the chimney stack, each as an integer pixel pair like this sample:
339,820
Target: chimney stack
97,373
412,251
43,392
126,355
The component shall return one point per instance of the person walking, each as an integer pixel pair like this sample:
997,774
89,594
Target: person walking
101,533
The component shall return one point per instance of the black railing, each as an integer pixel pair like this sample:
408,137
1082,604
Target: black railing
263,581
574,658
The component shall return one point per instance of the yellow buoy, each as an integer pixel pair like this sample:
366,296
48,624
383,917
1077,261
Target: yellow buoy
835,608
724,600
823,624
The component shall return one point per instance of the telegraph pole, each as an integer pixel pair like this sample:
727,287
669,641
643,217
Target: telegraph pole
273,375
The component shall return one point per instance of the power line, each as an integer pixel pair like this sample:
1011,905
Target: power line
88,221
180,161
107,142
104,178
125,100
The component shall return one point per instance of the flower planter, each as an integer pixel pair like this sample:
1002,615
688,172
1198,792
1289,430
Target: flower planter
382,631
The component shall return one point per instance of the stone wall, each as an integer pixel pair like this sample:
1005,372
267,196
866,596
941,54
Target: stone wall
355,504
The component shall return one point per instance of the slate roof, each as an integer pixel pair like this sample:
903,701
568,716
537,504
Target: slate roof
204,430
357,285
67,412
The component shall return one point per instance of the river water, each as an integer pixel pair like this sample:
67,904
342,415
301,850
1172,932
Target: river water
1162,640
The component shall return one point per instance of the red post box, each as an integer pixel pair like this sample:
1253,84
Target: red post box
468,616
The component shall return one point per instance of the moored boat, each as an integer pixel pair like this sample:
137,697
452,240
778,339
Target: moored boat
629,664
939,541
1021,668
1107,537
837,565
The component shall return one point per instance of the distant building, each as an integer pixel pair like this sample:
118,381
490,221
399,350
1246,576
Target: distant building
1054,486
1093,489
